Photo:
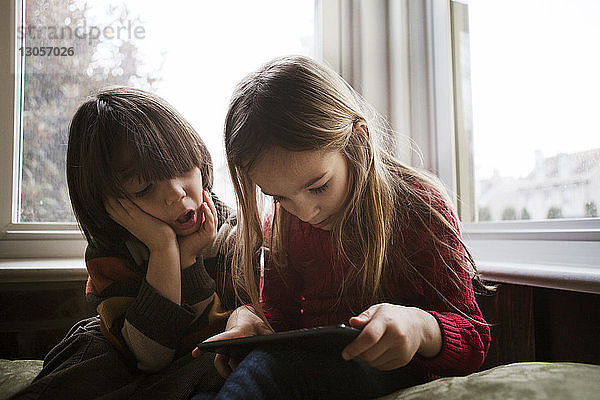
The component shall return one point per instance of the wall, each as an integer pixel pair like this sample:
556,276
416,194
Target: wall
539,324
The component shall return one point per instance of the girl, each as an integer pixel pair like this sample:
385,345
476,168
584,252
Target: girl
139,179
356,237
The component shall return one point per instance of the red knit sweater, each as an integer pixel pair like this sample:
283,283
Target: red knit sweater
309,296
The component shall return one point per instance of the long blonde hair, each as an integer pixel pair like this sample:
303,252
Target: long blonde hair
298,104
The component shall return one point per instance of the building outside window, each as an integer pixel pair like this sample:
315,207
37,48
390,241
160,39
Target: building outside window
533,106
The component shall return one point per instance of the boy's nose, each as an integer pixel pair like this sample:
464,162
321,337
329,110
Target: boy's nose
173,193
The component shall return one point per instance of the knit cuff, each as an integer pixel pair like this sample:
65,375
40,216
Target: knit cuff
196,283
452,354
157,317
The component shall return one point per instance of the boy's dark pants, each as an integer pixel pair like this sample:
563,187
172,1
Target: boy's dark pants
84,365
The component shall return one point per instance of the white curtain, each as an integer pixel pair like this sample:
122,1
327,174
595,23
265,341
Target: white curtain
397,53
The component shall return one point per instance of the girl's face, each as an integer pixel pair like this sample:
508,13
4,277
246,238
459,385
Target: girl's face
175,201
312,185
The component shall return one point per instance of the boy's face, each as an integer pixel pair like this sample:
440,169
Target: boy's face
175,201
312,185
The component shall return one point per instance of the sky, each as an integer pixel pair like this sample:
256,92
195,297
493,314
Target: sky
535,81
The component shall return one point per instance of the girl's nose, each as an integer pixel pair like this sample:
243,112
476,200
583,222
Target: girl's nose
307,212
174,192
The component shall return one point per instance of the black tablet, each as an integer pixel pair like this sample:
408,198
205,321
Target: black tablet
324,339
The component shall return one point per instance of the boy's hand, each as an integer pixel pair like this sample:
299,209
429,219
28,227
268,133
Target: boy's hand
392,334
191,246
151,231
242,322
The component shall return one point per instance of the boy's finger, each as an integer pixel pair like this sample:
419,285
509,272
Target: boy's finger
211,204
231,334
222,365
197,352
233,364
210,218
109,203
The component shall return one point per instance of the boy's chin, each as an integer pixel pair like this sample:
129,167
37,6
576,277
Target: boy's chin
187,232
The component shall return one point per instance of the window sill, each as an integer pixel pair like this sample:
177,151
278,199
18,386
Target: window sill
564,277
42,270
563,255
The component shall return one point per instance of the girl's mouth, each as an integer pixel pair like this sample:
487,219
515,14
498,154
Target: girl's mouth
186,220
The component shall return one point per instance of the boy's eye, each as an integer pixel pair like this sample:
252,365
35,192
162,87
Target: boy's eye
144,191
319,189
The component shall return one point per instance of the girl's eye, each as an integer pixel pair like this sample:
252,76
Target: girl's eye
144,191
319,189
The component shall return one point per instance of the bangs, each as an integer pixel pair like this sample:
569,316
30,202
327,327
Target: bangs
146,161
151,144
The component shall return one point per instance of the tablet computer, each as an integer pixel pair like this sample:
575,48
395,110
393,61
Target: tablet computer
324,339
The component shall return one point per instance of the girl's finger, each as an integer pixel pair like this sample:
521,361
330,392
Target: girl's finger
370,335
373,354
390,365
393,356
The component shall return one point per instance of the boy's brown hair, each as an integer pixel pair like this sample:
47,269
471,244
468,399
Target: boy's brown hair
121,133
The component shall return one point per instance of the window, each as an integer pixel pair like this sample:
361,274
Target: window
535,126
528,149
192,55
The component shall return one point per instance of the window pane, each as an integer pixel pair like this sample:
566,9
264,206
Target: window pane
535,101
191,53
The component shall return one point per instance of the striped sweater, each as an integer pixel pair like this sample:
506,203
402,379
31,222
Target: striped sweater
143,324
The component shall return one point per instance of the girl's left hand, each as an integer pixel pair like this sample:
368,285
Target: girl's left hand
191,246
392,334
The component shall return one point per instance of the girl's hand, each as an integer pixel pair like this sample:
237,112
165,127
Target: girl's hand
392,334
151,231
191,246
242,322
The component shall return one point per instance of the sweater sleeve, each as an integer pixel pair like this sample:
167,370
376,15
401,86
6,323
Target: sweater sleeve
134,317
465,333
139,320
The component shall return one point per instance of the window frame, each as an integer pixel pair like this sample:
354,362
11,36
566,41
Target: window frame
560,254
26,240
23,240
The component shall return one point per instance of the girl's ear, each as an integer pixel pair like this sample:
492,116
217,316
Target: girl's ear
360,127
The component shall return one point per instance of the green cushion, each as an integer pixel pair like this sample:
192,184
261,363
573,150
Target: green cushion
16,374
536,380
513,381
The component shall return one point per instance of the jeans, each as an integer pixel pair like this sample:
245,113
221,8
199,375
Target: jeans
288,373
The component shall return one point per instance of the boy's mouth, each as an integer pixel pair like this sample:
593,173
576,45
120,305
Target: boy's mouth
186,220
